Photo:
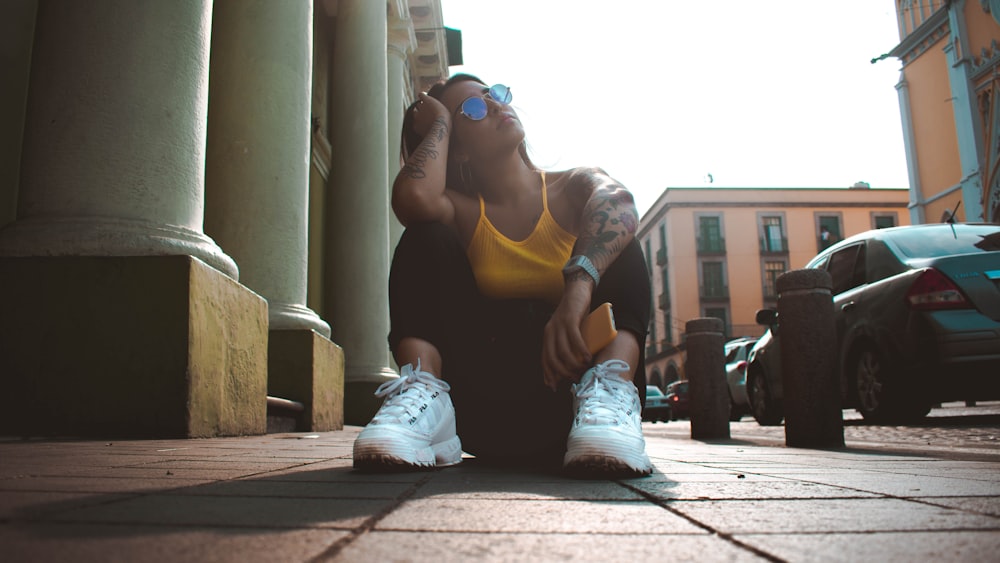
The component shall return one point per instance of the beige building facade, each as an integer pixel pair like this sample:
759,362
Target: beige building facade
194,209
949,97
716,252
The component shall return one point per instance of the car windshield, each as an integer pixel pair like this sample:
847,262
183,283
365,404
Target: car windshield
653,391
946,240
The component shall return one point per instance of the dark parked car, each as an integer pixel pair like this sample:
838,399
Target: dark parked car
677,396
657,408
912,305
736,353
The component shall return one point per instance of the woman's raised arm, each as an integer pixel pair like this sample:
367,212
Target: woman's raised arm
418,193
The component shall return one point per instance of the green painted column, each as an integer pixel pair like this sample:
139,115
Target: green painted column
114,147
257,175
357,204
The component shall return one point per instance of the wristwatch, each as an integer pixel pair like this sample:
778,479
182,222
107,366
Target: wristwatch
581,262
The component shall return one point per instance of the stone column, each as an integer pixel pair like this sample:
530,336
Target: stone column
120,317
357,249
705,368
17,28
257,184
401,43
114,147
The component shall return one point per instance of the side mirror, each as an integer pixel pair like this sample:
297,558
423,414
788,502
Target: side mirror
767,317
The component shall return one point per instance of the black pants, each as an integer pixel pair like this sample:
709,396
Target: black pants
491,350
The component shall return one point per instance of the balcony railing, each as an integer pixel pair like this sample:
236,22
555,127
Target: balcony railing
772,246
711,246
661,256
713,292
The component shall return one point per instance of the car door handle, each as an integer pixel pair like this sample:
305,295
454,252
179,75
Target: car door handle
847,306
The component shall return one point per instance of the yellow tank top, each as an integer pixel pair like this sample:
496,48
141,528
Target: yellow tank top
527,269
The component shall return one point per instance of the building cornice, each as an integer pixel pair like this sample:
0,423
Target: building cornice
932,30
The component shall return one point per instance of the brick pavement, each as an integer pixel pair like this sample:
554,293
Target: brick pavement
295,497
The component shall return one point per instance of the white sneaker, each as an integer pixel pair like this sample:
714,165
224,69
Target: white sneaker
606,436
414,427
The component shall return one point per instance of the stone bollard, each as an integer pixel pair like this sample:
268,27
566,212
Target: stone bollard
706,371
813,417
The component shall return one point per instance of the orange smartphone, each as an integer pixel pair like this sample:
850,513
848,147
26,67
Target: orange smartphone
598,328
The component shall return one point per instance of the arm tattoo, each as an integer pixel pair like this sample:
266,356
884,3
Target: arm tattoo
427,150
609,223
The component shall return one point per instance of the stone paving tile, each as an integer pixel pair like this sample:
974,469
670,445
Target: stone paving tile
95,543
983,505
713,477
195,510
298,489
527,490
231,471
97,484
889,547
25,505
530,547
746,489
903,485
536,516
829,515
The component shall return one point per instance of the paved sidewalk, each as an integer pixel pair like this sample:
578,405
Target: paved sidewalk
295,497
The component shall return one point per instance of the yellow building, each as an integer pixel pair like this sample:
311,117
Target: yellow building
716,252
948,96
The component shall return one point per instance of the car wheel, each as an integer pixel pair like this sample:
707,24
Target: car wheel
764,408
881,395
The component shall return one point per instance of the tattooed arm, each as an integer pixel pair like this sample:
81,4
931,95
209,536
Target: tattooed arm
418,193
607,224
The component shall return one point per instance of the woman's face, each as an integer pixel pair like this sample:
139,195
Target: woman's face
500,130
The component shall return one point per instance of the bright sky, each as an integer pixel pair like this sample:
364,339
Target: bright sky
662,93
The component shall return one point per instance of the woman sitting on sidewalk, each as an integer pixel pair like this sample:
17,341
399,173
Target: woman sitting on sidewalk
499,265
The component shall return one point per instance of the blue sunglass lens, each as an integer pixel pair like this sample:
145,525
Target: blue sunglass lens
500,93
474,108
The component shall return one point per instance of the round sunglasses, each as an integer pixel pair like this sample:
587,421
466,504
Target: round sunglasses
475,107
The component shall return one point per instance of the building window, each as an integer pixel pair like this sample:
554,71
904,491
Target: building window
667,329
772,269
713,281
665,289
773,235
883,220
649,264
710,239
828,230
661,254
723,315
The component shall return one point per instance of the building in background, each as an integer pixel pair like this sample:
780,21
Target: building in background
716,252
194,209
948,97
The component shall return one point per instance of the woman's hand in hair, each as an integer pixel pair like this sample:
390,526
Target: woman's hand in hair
426,112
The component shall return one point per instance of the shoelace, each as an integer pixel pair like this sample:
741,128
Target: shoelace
407,393
604,398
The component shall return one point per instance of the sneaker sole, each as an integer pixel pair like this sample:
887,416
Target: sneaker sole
602,455
394,455
603,466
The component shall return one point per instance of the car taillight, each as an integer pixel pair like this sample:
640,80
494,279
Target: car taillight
933,291
675,398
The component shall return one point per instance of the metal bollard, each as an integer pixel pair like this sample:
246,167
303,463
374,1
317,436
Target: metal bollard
706,370
808,337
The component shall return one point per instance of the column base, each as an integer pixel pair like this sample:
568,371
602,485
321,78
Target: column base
143,347
304,366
